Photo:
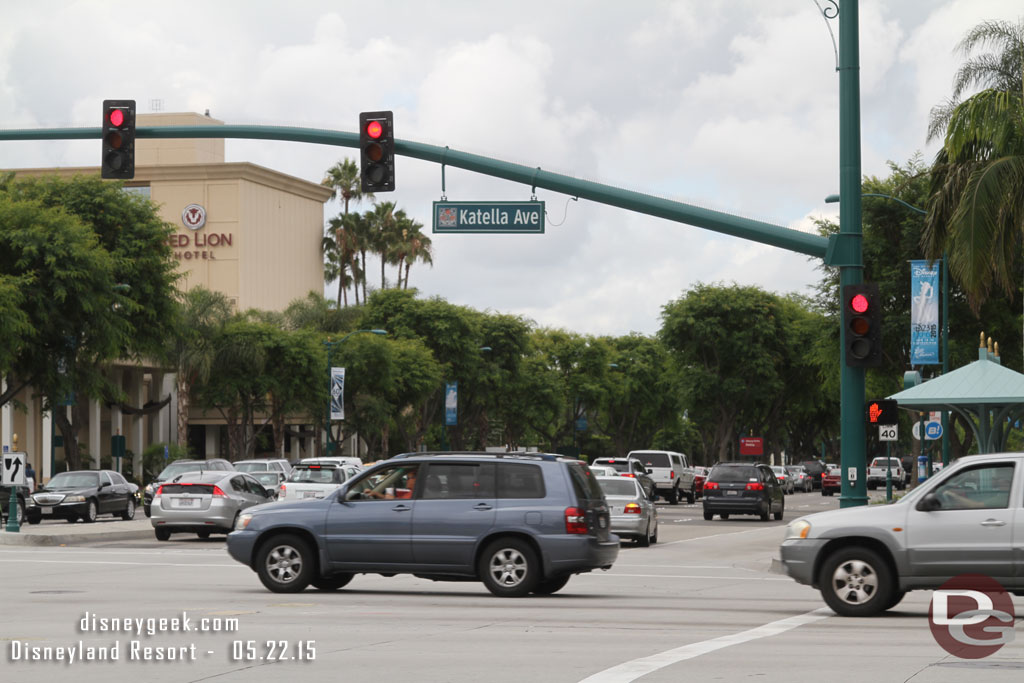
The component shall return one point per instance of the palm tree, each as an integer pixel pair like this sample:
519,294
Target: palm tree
383,222
343,178
419,249
201,313
975,214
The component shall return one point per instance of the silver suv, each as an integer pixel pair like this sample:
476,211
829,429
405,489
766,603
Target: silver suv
519,522
967,519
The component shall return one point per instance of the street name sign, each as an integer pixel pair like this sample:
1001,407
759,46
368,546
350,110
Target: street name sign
489,217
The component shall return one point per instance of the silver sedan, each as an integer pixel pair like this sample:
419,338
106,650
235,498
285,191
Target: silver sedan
204,502
633,514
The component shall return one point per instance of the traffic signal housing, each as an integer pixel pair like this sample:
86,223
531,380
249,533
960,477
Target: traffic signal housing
862,325
118,159
377,151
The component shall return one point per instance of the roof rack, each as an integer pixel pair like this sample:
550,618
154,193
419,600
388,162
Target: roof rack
519,455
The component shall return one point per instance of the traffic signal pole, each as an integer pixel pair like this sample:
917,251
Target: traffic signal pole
853,489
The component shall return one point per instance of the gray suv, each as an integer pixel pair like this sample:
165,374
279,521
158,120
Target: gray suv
519,522
964,520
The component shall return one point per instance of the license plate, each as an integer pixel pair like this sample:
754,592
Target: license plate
46,510
309,494
186,502
732,493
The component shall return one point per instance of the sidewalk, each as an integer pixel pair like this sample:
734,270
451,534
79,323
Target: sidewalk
59,532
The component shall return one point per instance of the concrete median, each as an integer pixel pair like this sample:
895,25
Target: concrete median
59,532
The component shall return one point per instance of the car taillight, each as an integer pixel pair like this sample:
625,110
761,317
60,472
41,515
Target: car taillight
632,509
283,491
711,485
628,474
218,492
672,474
575,521
755,486
159,490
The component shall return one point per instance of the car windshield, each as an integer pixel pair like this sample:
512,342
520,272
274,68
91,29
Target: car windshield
618,487
619,465
733,474
252,467
653,459
69,480
176,468
266,478
316,474
779,470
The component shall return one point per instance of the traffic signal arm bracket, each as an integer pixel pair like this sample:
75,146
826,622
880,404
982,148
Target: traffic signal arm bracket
844,249
744,228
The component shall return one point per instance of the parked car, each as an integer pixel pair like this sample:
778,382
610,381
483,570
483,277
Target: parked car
783,478
700,475
830,484
629,467
519,522
964,520
315,479
21,499
270,480
814,469
735,488
177,467
340,459
204,502
633,514
82,494
801,480
671,473
263,465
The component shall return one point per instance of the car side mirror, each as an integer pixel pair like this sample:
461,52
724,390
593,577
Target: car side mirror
649,470
104,484
929,503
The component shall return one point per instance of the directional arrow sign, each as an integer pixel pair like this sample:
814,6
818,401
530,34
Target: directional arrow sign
14,468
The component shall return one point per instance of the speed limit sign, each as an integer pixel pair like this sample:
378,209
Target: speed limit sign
888,432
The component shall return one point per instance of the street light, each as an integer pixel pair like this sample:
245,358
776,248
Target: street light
331,345
833,199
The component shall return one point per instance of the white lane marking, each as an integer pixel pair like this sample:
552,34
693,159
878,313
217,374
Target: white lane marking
144,564
636,668
730,533
687,576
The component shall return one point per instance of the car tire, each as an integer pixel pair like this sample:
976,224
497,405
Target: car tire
778,515
673,496
708,515
90,512
71,519
203,534
509,568
129,510
644,541
724,515
33,519
552,585
654,536
332,582
691,495
895,598
856,582
161,534
146,509
285,564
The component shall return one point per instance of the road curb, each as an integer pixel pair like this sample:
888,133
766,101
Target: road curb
74,538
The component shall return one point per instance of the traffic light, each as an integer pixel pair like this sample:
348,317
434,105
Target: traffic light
377,151
118,139
862,325
883,412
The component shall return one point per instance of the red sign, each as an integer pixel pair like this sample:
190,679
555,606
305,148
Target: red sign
751,445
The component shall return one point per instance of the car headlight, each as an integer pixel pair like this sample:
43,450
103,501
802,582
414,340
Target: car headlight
798,529
243,521
74,499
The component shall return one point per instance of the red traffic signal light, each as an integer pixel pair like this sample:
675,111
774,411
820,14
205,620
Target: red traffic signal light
862,325
883,412
118,146
377,151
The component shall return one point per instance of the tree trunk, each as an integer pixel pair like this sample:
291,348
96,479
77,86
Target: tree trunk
362,253
408,264
69,432
183,405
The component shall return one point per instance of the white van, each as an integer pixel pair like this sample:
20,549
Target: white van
673,477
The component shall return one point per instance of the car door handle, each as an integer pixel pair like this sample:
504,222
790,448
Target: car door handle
482,506
401,508
993,522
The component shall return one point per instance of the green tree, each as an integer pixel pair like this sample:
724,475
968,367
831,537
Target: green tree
340,243
975,215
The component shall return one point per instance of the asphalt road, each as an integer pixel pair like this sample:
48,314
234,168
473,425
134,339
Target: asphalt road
702,604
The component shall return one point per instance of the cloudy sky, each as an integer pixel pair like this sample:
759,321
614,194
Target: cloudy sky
730,105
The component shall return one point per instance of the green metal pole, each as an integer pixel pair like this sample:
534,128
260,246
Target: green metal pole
327,420
888,472
852,429
945,354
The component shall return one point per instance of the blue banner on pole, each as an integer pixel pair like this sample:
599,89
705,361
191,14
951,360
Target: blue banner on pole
451,403
924,313
337,393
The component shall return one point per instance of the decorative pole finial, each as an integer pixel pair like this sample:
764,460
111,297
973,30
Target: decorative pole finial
981,343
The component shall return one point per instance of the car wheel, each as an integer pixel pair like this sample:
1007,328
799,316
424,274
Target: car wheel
509,568
654,536
145,509
708,515
644,541
691,495
161,534
72,519
897,596
285,564
203,534
724,515
552,585
129,510
332,582
90,513
34,519
856,582
673,496
778,515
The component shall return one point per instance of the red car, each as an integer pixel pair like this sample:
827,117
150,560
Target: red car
830,481
700,475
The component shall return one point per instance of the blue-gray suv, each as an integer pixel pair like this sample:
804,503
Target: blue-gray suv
519,522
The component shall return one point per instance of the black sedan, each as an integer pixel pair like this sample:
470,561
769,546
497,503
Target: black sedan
21,499
735,488
83,494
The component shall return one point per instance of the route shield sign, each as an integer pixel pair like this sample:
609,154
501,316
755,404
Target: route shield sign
500,217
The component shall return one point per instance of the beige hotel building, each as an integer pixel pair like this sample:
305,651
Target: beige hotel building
247,231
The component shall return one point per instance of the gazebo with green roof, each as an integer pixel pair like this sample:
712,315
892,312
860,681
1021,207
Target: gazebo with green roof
987,395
